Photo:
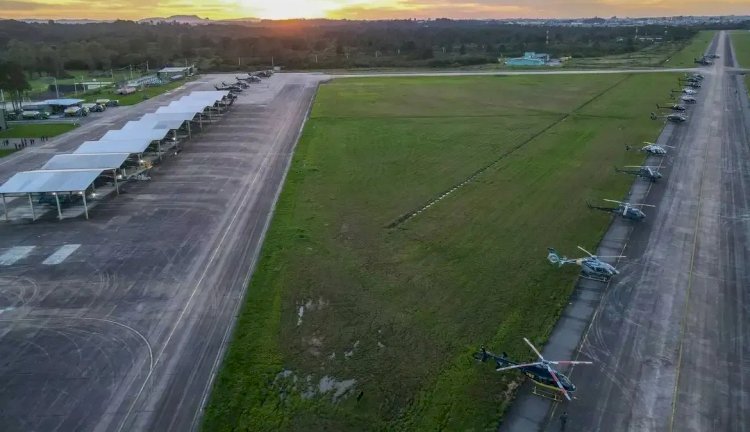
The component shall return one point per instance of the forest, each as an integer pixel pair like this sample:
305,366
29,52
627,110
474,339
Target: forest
49,49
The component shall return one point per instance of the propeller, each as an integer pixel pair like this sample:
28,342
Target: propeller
557,381
597,257
518,366
629,204
534,349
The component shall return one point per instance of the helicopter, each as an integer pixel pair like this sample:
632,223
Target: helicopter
541,372
252,79
674,118
704,61
695,76
690,83
687,91
654,149
672,106
591,267
624,209
225,87
644,172
688,99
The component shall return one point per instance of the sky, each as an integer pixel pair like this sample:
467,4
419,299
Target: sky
365,9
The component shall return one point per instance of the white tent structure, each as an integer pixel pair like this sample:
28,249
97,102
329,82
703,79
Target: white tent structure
89,161
52,182
74,173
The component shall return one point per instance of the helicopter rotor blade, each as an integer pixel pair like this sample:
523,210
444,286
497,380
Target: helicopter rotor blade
533,348
517,366
613,201
618,256
589,253
557,381
563,362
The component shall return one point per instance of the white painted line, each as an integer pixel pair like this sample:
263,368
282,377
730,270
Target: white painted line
61,254
15,254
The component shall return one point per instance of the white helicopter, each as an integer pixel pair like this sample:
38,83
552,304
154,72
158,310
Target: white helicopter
655,149
592,267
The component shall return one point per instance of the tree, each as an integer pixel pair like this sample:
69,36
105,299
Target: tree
13,80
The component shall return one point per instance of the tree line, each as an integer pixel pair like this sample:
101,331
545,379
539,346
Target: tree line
51,49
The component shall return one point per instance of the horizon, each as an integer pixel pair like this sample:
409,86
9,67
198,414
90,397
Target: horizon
365,10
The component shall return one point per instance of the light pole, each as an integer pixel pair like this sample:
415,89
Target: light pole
57,90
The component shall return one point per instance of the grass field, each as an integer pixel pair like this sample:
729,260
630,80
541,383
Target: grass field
696,48
6,152
350,325
660,54
741,43
36,130
42,83
136,97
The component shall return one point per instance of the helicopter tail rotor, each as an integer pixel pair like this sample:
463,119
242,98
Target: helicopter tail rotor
554,258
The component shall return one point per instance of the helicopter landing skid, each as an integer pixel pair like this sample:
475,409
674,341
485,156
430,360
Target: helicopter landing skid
595,278
546,393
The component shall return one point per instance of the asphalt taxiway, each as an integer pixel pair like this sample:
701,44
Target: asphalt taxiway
118,323
668,335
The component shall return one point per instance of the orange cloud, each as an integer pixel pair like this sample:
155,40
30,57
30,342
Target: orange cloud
363,9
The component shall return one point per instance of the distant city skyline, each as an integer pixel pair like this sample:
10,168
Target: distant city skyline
365,9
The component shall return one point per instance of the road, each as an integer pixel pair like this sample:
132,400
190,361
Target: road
505,73
118,323
669,334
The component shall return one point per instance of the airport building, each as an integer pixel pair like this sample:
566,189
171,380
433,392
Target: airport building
529,59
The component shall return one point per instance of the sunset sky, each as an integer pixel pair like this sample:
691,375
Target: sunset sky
365,9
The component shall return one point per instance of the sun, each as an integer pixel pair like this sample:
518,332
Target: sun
285,9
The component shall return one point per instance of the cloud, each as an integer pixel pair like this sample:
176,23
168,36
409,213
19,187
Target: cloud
365,9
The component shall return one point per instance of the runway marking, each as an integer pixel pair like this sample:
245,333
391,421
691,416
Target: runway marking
61,254
685,314
15,254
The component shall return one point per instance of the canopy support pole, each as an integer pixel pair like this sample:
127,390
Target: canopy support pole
190,134
158,149
114,176
85,206
5,209
31,203
59,211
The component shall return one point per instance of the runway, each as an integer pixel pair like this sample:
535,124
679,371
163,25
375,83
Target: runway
118,323
668,335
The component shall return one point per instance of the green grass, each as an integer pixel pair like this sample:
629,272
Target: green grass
686,57
658,54
6,152
411,303
133,98
36,130
42,83
741,43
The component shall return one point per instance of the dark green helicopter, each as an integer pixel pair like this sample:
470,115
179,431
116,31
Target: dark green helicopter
541,372
624,209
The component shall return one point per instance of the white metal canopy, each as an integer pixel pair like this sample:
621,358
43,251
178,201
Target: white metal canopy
28,182
136,130
103,161
135,145
160,123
